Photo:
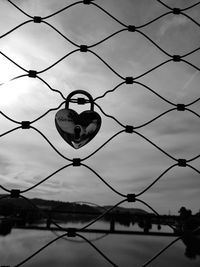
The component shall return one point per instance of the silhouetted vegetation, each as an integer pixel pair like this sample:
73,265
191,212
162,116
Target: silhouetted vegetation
5,227
192,244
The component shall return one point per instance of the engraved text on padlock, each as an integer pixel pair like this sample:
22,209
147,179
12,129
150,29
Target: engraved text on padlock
78,129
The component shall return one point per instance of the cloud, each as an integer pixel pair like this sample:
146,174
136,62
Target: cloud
5,164
177,21
174,34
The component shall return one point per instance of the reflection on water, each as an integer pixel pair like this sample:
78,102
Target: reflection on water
5,227
126,251
192,244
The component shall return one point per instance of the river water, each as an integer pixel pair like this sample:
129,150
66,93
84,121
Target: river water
123,250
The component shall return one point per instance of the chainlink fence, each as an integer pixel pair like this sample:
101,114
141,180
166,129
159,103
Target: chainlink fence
125,129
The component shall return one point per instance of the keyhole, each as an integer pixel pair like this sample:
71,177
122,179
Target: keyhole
77,131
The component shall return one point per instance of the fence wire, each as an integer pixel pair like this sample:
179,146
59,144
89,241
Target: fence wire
125,129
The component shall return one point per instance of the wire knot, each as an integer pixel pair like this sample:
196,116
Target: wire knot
81,101
37,19
176,11
26,124
129,80
87,2
176,58
180,107
76,162
15,193
71,232
182,162
131,28
129,129
83,48
131,197
32,73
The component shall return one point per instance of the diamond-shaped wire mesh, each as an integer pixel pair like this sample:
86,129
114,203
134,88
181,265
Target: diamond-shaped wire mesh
125,129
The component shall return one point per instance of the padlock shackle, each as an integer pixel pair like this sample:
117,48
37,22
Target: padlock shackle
79,92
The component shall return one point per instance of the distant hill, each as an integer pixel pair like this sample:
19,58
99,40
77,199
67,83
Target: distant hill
133,211
60,206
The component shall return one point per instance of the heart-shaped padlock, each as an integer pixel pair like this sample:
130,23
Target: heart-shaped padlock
78,129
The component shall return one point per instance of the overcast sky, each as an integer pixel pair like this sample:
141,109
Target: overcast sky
128,163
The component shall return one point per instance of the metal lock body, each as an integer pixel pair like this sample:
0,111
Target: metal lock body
78,129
